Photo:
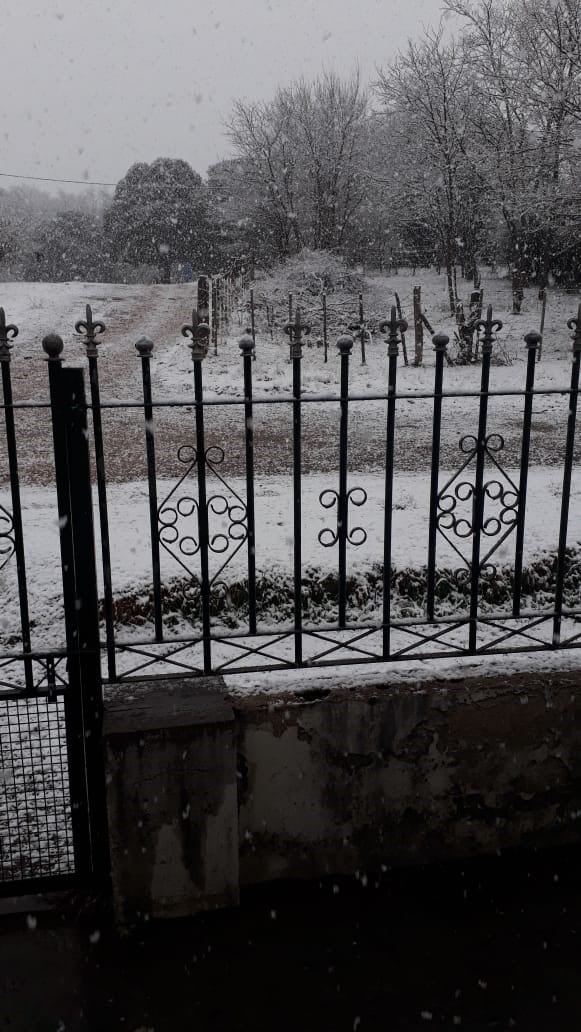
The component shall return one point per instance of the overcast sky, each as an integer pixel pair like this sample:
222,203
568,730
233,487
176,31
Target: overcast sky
90,86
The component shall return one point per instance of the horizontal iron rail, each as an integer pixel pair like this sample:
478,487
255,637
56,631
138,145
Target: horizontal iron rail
288,629
289,398
50,883
447,652
12,693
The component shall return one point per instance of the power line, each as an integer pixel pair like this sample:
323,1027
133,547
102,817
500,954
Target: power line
47,179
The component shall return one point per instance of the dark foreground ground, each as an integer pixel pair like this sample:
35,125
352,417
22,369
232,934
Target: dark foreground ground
492,944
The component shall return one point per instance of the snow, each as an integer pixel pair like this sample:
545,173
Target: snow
128,506
449,674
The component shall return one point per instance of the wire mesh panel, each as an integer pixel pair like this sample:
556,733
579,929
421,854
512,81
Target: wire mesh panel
36,835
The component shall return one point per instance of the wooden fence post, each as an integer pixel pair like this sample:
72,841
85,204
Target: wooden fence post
418,327
400,317
543,298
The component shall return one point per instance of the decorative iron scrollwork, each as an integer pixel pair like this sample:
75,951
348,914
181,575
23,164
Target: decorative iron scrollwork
329,499
235,513
8,333
7,544
180,506
453,521
176,507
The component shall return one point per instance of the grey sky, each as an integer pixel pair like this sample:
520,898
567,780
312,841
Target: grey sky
90,86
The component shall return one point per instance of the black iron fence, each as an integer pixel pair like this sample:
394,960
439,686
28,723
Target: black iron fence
201,620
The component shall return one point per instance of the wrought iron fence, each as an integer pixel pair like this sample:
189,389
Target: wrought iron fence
206,518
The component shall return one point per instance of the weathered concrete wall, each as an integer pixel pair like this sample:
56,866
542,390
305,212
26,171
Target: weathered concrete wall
408,774
331,781
171,786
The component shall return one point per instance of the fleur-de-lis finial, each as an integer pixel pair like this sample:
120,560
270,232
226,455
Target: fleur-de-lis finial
489,327
199,332
575,325
7,334
91,330
295,331
394,327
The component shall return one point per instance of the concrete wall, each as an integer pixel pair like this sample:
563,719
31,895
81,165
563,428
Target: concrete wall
172,799
335,780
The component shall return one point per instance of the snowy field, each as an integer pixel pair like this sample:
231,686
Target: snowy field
160,311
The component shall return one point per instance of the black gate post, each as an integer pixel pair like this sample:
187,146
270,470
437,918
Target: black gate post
84,697
87,614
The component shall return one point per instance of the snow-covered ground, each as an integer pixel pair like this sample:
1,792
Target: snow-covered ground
160,311
131,542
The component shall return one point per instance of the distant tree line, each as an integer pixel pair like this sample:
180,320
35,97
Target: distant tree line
465,150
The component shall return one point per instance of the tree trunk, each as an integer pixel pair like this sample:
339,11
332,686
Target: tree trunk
517,291
165,263
451,295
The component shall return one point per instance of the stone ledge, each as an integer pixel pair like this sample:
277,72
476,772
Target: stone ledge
165,703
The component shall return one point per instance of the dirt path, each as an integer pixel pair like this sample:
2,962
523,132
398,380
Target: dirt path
160,311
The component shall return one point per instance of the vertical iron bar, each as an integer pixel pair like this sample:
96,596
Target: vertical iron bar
295,330
478,500
344,344
246,344
203,515
440,342
16,513
297,514
145,349
393,326
103,515
87,617
532,342
574,324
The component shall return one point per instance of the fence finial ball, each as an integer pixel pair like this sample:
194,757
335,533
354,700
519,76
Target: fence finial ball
53,345
144,346
246,343
345,344
440,341
533,339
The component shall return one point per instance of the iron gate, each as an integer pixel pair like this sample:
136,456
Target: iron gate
52,797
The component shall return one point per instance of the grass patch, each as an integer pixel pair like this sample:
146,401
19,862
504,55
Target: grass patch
181,597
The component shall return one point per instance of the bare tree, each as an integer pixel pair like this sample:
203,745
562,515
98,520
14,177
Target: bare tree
426,91
525,70
303,151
